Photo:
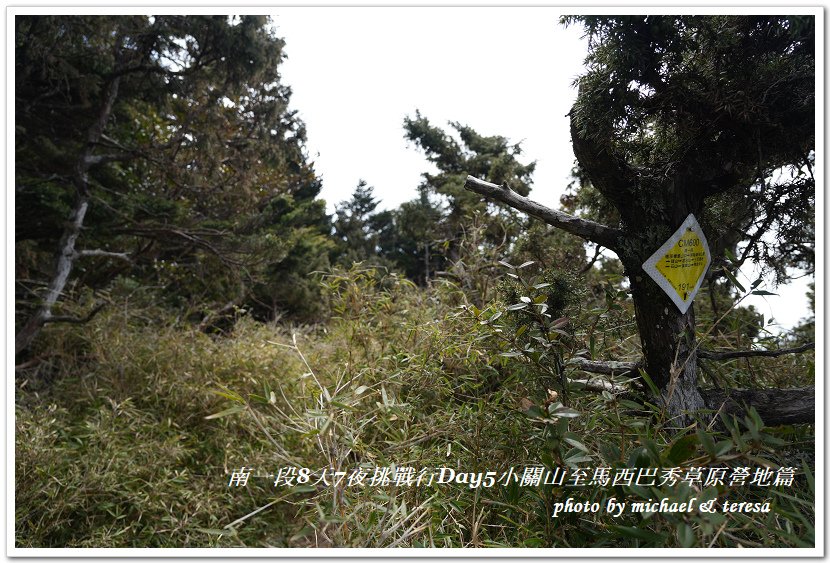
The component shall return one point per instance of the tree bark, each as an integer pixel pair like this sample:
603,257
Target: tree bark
667,337
588,230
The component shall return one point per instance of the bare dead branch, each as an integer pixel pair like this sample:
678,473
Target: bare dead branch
587,268
605,368
95,159
711,355
75,320
600,385
103,253
583,228
66,258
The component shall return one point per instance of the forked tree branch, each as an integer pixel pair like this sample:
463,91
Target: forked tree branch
589,230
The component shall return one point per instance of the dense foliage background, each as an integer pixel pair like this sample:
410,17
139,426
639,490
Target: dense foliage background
213,316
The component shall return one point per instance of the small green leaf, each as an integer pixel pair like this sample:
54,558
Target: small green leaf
654,391
577,459
732,279
763,292
707,442
230,395
217,532
578,444
682,449
302,489
640,534
686,535
563,412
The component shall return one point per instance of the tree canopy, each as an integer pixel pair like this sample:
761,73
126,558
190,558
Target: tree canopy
675,110
167,143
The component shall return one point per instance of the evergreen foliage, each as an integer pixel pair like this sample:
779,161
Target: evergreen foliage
198,170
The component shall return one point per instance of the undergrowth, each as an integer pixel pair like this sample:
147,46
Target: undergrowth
129,429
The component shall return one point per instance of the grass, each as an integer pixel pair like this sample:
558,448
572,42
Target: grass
129,428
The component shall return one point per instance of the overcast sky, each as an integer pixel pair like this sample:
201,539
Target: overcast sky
357,72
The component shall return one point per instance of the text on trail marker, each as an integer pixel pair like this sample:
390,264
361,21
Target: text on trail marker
679,265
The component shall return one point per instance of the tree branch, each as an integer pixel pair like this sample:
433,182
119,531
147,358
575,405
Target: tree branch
588,230
587,267
775,406
605,368
104,253
600,385
610,174
193,236
75,320
710,355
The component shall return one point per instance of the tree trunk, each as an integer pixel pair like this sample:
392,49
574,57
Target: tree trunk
63,267
667,337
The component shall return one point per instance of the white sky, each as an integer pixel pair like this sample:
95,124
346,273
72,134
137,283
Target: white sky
357,72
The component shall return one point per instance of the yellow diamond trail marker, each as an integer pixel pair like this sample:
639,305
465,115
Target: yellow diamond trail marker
679,265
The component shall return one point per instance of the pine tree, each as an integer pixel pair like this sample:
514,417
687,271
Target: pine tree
708,115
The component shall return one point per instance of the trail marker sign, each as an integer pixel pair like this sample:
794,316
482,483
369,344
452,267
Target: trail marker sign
679,265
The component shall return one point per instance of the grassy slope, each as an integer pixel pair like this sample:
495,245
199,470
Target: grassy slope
116,451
